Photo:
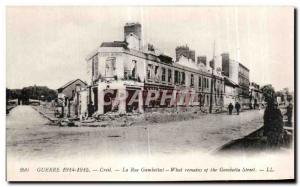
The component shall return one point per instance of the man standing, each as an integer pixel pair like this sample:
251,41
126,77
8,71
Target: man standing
273,125
230,108
237,107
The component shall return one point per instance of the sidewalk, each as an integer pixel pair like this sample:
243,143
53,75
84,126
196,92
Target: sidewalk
46,112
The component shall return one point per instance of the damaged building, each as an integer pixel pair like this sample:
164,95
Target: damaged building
123,73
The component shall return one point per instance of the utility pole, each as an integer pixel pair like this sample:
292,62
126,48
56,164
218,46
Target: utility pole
212,79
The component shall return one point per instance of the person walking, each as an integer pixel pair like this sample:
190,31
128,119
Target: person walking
237,107
230,108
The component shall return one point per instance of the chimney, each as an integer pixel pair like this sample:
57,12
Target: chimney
133,35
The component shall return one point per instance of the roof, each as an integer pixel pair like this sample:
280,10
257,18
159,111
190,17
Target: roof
122,44
243,66
230,82
132,23
165,58
69,83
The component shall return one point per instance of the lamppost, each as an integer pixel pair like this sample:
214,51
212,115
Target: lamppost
212,79
211,89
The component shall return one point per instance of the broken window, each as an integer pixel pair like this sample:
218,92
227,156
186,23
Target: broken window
182,78
169,75
207,83
177,77
163,74
156,73
192,80
110,66
133,72
149,71
199,82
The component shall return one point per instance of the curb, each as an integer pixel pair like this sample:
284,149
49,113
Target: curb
235,140
45,116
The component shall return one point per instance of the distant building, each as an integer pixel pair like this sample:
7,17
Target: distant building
244,83
69,89
192,55
284,96
230,91
184,51
256,96
239,74
201,59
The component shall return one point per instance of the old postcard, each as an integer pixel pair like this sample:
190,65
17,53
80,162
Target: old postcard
149,93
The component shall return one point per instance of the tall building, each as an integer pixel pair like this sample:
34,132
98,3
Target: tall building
225,64
230,68
244,83
237,73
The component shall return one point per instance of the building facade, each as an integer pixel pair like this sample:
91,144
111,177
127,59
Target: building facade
256,96
244,83
70,88
238,74
127,77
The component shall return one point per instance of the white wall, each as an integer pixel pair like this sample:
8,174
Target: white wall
233,71
133,42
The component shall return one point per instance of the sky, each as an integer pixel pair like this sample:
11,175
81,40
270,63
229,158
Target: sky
47,46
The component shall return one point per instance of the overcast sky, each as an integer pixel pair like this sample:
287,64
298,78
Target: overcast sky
48,45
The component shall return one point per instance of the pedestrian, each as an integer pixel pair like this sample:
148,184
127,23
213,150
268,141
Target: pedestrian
237,107
255,104
230,108
289,112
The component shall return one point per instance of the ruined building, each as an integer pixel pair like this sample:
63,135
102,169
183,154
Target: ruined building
123,73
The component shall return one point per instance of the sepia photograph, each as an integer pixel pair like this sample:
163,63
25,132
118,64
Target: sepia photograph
150,93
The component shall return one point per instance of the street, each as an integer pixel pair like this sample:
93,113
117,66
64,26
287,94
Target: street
30,136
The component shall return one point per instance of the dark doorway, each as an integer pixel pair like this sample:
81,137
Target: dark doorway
109,97
135,104
95,92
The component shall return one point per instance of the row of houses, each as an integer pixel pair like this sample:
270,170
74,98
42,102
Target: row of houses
126,76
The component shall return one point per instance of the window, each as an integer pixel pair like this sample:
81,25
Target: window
156,70
207,83
149,71
169,75
110,66
199,82
163,74
192,80
182,78
177,77
133,72
156,74
204,83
